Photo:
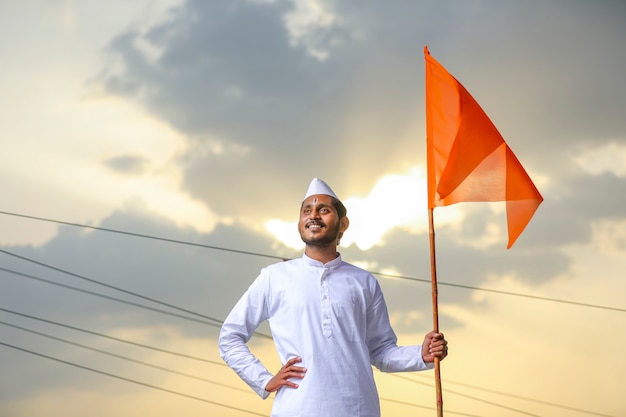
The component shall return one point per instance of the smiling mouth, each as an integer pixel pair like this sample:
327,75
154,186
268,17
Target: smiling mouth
314,226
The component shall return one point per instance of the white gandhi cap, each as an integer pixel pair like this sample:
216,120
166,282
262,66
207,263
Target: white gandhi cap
318,186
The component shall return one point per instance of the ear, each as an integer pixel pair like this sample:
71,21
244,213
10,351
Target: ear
343,224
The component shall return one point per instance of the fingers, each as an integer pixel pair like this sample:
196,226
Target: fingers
438,346
292,361
290,370
435,346
282,378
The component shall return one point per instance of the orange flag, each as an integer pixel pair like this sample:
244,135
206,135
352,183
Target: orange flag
467,157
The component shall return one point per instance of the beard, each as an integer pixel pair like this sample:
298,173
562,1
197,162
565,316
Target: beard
329,239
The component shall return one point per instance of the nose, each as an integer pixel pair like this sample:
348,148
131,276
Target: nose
315,214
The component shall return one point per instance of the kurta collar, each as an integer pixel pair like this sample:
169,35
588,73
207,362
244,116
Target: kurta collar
331,264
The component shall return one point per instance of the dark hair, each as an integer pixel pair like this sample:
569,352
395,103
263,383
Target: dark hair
341,209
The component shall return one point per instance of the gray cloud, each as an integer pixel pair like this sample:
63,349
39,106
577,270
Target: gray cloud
256,107
263,116
457,265
202,280
210,281
127,164
229,77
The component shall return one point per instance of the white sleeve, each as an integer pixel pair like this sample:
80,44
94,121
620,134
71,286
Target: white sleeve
243,320
385,354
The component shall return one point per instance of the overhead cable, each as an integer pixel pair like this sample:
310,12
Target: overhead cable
519,397
442,283
215,322
132,380
126,358
117,339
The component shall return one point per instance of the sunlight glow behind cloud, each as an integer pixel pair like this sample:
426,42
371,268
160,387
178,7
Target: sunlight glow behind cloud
147,118
395,201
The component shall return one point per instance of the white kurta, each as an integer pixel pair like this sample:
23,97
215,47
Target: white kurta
335,318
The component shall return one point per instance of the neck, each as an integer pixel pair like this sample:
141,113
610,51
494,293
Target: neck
321,254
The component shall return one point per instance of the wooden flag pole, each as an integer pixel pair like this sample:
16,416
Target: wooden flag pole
435,292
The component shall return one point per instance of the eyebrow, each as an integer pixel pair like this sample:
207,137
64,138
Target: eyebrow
319,204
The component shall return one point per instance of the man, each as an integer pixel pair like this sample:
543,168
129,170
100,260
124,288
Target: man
329,322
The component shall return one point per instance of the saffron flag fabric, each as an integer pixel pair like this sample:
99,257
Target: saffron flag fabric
467,158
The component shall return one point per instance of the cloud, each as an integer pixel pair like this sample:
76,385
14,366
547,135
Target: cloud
597,160
242,76
403,194
127,164
209,119
231,75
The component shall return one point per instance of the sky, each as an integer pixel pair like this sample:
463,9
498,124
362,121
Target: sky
190,131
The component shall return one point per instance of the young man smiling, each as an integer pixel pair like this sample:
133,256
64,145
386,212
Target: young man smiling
329,322
322,223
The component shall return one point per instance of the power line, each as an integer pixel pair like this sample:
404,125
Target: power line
275,257
108,297
161,311
442,283
168,351
126,358
165,351
427,408
189,375
217,322
117,339
535,297
206,360
161,368
269,256
131,380
471,397
104,229
520,397
135,294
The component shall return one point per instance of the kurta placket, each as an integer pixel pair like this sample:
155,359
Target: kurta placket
327,326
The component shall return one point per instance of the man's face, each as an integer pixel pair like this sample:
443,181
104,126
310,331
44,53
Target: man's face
319,223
